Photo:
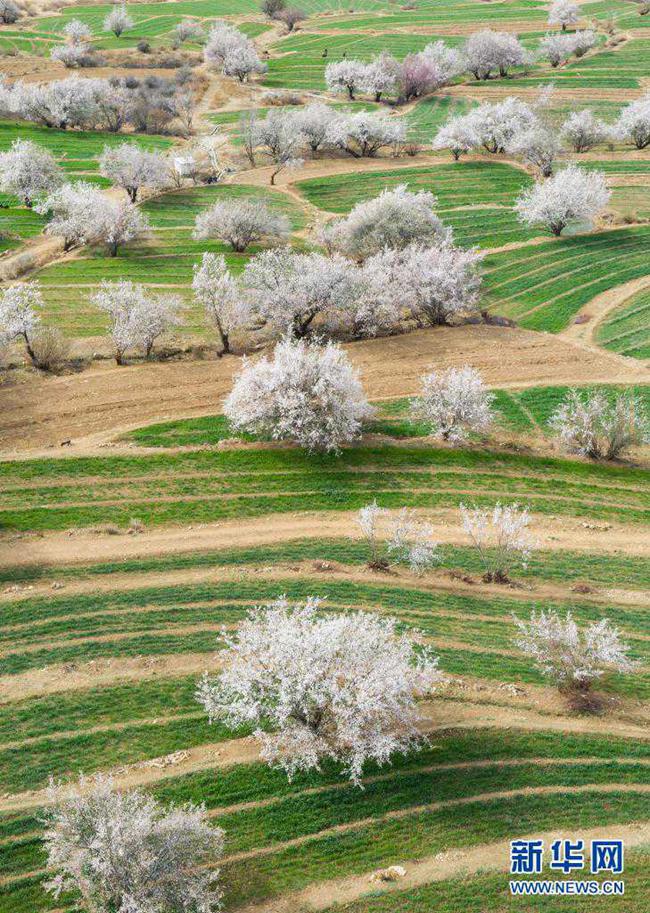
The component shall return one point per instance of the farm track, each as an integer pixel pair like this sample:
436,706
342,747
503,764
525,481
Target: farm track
94,407
450,864
439,716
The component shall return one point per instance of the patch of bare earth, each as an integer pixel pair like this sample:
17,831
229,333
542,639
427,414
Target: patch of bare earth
93,407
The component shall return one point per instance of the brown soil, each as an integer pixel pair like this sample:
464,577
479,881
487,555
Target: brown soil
59,548
93,407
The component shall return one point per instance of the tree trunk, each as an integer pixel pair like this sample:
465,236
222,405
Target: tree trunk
28,346
133,193
351,92
112,248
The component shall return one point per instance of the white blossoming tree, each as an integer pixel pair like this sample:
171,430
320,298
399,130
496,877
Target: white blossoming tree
313,122
217,291
131,167
563,13
459,135
432,285
189,30
242,223
307,394
600,427
118,21
497,124
582,130
73,209
381,76
538,146
19,314
633,124
317,686
364,133
116,224
77,32
574,659
288,289
126,853
487,51
571,195
397,537
137,317
232,52
557,48
277,137
28,171
501,538
345,76
394,219
454,404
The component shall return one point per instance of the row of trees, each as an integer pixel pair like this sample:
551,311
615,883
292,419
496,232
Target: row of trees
514,127
150,104
316,686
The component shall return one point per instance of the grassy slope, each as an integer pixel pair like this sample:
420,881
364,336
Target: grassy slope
627,329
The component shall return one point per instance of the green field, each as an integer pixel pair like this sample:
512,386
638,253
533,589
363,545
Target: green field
166,258
627,329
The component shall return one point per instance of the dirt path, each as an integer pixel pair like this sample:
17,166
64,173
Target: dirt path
60,548
455,863
91,408
439,580
591,315
438,716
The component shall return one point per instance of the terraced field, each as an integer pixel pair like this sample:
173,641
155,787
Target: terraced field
164,259
105,631
627,329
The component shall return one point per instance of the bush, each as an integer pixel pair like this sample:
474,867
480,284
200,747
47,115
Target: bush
143,46
51,349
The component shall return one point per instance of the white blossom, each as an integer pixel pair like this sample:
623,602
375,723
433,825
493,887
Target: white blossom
596,426
319,686
364,133
118,21
557,48
19,313
242,223
487,51
217,291
289,289
400,536
583,41
394,219
126,853
563,12
430,284
74,209
381,76
232,52
497,124
279,139
583,131
344,76
453,404
459,135
633,124
137,316
313,123
116,224
77,32
189,30
500,536
538,146
571,195
307,394
131,167
70,55
28,171
570,657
